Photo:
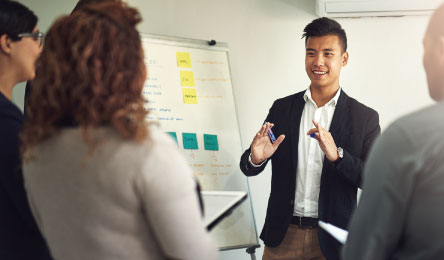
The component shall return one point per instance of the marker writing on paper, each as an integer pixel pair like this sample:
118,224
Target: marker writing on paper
271,135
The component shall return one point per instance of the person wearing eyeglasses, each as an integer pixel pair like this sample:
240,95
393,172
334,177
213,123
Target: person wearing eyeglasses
20,45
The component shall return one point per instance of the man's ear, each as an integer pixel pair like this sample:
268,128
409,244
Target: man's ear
5,44
344,59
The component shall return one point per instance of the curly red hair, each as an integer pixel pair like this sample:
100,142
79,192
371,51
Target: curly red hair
90,74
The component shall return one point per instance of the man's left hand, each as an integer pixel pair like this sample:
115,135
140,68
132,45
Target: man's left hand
325,141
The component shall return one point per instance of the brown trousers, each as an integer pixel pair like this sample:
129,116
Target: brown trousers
298,244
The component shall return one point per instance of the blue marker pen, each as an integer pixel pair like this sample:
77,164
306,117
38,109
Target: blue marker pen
271,135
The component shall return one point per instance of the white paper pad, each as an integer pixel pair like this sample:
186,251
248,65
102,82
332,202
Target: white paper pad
338,233
218,203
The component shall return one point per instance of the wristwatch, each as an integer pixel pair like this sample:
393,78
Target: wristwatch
340,155
340,152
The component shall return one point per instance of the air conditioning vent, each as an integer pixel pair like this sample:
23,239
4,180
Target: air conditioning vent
358,8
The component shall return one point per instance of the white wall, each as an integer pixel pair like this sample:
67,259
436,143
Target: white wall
267,59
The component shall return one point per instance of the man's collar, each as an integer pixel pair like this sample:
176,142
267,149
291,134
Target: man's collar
333,101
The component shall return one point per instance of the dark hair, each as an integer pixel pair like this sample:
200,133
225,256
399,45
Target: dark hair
91,72
323,27
15,18
82,3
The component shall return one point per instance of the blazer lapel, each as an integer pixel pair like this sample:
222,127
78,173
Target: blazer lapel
339,115
337,122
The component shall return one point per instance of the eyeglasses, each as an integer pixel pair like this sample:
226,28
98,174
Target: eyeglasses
38,37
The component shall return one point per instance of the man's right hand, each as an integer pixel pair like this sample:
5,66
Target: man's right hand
261,147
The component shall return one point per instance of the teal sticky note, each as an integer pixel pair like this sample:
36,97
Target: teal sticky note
173,135
189,141
210,142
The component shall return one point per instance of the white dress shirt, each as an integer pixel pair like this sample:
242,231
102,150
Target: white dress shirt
310,155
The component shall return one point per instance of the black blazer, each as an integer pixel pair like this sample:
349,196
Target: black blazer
20,239
354,127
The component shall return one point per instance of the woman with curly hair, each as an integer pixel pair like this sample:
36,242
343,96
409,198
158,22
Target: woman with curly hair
20,45
101,182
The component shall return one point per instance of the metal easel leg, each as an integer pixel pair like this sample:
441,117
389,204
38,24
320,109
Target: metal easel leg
251,251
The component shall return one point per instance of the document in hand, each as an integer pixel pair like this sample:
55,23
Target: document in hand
219,204
338,233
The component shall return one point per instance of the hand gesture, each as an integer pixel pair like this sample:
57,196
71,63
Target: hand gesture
325,141
261,147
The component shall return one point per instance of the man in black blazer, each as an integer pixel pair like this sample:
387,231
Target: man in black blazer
317,170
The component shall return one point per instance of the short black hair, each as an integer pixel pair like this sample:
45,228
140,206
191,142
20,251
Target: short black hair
15,18
325,26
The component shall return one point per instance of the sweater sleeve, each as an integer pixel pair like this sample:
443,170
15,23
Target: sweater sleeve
171,204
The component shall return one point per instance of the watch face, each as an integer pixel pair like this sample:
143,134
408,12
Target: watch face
340,152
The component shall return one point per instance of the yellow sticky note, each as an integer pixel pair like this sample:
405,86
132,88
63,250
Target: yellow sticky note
187,78
189,96
183,60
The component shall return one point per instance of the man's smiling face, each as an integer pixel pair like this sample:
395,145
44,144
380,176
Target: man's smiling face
324,59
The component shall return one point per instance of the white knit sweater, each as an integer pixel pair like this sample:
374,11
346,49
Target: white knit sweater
123,201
